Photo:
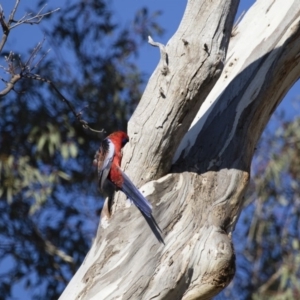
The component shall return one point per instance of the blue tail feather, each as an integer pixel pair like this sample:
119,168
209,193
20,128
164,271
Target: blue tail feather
130,190
154,227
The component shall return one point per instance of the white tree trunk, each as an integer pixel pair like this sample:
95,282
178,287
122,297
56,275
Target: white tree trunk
197,192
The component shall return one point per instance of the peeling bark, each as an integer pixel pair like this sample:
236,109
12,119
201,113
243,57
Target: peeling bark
199,171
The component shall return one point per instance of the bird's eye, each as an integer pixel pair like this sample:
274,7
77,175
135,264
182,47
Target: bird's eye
124,141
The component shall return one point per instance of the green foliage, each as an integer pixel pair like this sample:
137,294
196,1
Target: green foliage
49,203
19,178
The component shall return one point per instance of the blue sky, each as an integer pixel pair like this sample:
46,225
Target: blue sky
26,36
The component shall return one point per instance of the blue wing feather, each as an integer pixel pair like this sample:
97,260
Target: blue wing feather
103,160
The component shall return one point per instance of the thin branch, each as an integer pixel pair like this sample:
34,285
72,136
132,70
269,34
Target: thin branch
3,23
28,64
29,14
263,288
25,71
78,116
18,70
51,248
12,14
6,26
3,41
33,20
5,29
14,76
10,84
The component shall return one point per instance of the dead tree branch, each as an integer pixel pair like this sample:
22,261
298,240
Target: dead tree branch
29,19
26,19
78,115
19,70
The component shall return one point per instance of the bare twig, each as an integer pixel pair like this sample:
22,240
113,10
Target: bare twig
28,66
51,248
10,84
14,76
263,288
2,21
78,116
12,14
26,19
6,26
25,71
5,29
33,20
17,70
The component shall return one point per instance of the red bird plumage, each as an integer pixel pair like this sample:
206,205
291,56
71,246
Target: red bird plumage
108,160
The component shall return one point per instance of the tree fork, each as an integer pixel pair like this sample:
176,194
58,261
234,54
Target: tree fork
198,203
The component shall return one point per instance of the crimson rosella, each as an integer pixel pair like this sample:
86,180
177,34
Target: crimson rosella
108,160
